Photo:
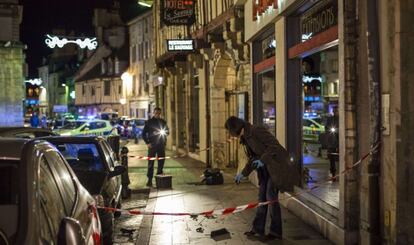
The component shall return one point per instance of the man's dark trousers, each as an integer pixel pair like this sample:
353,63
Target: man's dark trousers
267,193
155,151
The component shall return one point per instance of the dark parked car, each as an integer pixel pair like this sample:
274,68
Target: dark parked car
42,201
96,166
25,132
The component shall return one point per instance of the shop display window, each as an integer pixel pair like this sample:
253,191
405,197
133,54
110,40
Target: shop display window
320,121
268,102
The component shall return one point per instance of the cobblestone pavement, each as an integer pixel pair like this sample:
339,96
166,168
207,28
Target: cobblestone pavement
127,226
187,195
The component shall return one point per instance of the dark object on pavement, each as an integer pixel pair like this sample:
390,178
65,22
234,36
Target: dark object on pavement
200,229
127,232
221,234
213,176
163,181
34,206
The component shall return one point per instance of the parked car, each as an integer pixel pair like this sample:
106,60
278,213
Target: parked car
87,127
25,132
312,128
96,167
42,200
139,126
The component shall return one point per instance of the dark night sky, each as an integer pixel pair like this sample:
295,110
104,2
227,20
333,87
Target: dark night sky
42,16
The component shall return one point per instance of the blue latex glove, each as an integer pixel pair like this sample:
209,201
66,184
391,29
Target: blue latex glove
258,164
238,178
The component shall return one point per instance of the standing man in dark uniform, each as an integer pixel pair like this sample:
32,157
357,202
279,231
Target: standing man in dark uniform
155,134
332,134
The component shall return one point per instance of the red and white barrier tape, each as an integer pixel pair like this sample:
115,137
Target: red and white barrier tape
140,157
160,158
237,209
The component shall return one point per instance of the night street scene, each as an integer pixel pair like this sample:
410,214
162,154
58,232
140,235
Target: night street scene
173,122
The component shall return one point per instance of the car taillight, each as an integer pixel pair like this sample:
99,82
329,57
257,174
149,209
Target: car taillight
96,233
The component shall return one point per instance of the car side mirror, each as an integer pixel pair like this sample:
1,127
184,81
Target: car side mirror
70,232
118,170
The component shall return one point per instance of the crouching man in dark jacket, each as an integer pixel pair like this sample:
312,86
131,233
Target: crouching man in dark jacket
271,161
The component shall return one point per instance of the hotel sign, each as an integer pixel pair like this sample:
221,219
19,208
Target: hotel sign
318,19
180,45
177,12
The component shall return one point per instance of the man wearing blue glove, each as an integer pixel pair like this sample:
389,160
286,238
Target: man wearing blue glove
261,147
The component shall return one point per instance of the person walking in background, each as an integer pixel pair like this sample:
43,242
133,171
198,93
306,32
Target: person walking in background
34,120
261,147
43,123
155,134
332,138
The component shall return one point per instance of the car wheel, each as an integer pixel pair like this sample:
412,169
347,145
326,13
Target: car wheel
118,206
107,223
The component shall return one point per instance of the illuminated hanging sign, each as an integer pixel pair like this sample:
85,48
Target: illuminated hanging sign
36,81
180,45
54,41
308,79
177,12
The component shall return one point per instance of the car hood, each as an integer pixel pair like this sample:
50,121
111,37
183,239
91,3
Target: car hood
63,131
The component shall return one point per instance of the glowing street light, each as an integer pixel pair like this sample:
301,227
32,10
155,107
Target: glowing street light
127,82
144,4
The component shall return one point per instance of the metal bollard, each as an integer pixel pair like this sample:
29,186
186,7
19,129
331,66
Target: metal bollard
126,192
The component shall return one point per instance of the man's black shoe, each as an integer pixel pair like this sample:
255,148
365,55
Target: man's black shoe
149,184
271,237
252,234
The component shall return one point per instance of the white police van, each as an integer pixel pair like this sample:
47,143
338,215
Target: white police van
87,127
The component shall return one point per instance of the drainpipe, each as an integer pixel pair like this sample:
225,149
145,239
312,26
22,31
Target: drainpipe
208,116
375,120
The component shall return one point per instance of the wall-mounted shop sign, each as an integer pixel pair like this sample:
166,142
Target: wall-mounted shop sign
177,12
261,7
318,19
54,41
180,45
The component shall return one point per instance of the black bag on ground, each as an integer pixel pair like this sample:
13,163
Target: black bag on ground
213,176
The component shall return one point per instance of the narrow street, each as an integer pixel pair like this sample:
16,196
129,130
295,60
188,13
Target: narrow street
188,195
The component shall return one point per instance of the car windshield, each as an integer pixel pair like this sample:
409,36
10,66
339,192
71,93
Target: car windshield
73,124
81,156
9,180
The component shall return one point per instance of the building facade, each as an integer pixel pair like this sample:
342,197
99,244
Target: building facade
101,84
12,60
201,88
141,101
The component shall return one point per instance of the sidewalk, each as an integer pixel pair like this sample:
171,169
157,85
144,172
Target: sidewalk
187,196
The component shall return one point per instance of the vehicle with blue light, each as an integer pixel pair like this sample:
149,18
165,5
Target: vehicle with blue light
312,128
95,127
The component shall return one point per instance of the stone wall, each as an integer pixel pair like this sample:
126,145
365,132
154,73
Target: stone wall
12,85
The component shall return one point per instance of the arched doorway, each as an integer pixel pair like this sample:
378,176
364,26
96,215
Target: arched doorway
223,104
